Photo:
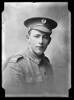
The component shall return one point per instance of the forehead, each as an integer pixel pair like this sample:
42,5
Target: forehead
37,32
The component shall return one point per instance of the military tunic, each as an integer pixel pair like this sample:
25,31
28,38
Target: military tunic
27,75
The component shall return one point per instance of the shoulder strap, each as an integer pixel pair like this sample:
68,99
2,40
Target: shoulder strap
15,58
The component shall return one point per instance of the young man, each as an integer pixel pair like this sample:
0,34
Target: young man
31,73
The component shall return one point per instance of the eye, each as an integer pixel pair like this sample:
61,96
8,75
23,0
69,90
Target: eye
37,36
46,36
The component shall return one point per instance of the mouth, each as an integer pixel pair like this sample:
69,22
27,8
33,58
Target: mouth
40,47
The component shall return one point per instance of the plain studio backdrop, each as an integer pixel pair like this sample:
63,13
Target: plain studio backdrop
59,50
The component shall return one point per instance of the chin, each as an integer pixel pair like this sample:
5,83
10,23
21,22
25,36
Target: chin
39,52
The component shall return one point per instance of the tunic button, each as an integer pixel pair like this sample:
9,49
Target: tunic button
29,79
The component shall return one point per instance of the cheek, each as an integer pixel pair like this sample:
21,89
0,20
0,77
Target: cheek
32,41
45,42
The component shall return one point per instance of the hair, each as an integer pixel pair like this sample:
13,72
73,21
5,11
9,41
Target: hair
29,31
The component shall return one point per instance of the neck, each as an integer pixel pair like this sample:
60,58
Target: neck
35,54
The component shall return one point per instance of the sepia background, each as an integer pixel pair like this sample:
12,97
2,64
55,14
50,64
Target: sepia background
59,50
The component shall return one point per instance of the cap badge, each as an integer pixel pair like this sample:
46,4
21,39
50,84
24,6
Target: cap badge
43,21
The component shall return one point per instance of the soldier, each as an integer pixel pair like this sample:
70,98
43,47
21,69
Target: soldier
31,73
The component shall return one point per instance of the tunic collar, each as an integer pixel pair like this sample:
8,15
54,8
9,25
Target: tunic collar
31,55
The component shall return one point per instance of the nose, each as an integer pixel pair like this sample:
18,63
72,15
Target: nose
41,40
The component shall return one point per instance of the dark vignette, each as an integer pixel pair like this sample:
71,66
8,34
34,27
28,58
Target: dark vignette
2,91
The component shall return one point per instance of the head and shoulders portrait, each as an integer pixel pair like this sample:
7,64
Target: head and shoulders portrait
31,72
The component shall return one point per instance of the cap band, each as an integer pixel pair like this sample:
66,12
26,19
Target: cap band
40,27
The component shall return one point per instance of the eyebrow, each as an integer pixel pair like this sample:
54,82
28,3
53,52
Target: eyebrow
37,34
44,35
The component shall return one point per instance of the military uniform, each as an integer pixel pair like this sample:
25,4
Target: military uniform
26,74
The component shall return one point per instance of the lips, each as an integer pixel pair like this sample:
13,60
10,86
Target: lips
40,47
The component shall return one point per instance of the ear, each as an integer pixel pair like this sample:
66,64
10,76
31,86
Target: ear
27,36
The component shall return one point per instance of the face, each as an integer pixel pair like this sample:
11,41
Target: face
38,41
